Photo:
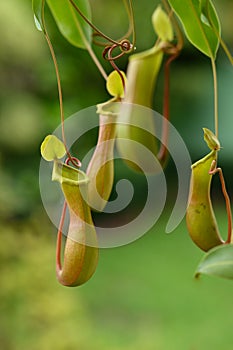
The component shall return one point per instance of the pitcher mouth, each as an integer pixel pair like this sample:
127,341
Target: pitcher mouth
64,173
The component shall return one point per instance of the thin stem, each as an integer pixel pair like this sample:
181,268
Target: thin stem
131,29
215,95
115,66
58,84
96,61
222,43
174,51
115,43
59,239
132,22
226,50
97,31
180,39
214,170
88,46
91,24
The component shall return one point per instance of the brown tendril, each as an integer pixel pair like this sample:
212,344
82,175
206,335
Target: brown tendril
76,162
97,32
180,40
221,41
162,154
213,170
111,60
173,51
124,44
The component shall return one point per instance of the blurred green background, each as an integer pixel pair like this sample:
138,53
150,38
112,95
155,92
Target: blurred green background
143,295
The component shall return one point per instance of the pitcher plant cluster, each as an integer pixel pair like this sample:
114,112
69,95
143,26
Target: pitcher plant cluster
85,192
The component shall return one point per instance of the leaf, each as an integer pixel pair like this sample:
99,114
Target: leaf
217,262
37,9
52,148
201,24
70,23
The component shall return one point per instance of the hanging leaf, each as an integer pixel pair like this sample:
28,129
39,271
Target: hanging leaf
217,262
37,9
201,24
72,26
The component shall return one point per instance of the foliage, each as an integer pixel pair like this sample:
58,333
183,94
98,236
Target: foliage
71,25
201,24
27,94
202,28
217,262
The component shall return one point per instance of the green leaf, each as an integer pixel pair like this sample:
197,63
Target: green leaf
201,24
72,26
217,262
37,9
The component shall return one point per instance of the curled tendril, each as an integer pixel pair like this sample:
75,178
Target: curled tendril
71,159
75,161
125,47
110,45
123,43
214,170
97,32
